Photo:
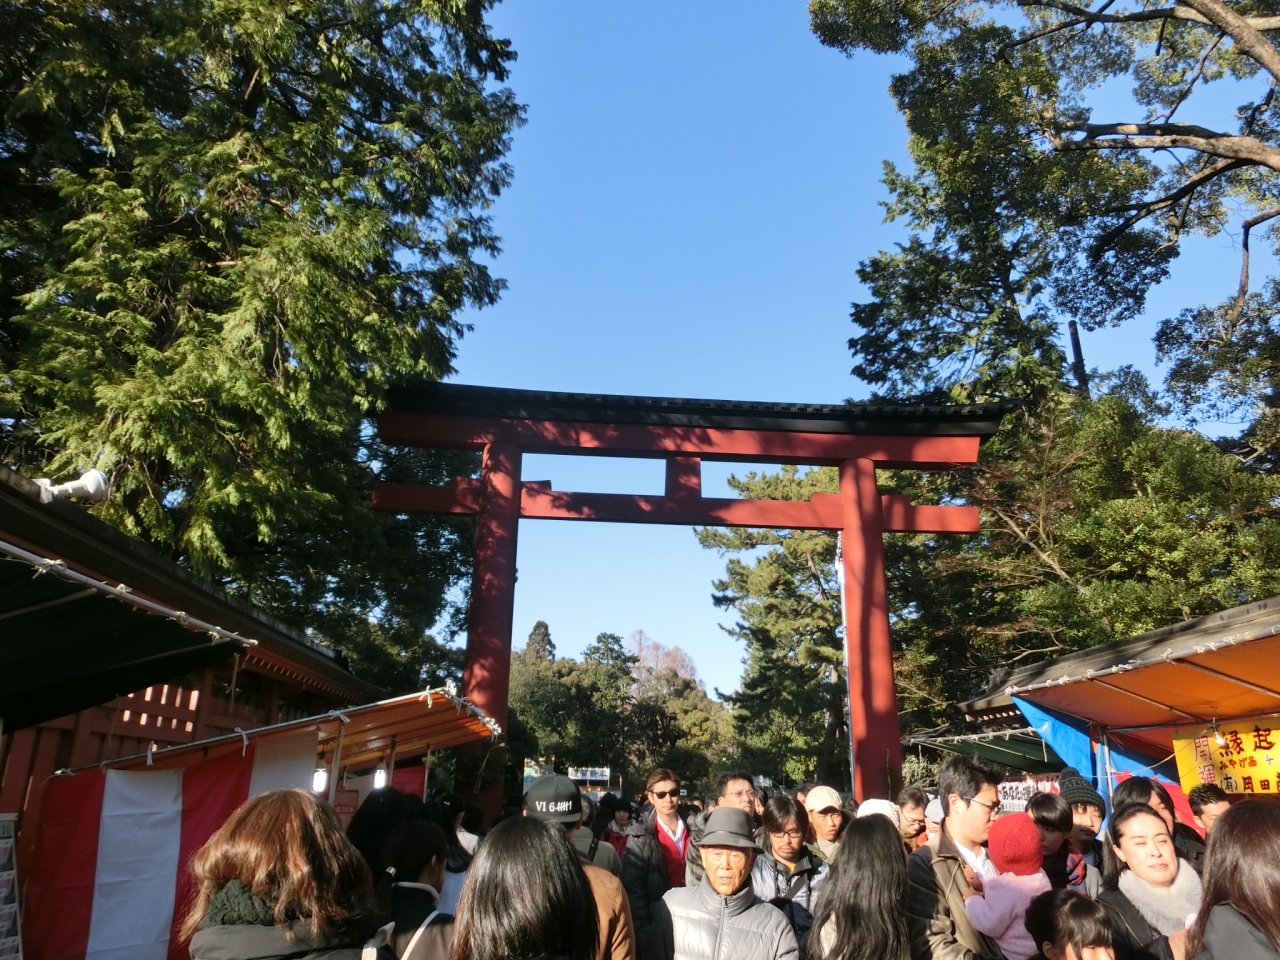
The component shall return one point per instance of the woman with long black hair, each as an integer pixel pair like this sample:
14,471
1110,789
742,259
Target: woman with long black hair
526,897
457,862
859,913
1148,790
1239,915
1148,890
408,891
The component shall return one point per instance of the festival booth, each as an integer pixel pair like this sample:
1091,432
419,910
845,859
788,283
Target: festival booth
1196,702
1031,764
109,844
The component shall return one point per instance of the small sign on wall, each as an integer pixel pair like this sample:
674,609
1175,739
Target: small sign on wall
345,803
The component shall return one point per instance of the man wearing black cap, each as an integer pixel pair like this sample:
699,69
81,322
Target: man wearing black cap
722,916
558,799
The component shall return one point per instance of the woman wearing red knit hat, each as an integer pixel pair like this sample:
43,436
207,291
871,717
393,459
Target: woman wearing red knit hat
998,911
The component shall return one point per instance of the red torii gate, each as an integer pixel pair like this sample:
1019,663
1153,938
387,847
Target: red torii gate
857,438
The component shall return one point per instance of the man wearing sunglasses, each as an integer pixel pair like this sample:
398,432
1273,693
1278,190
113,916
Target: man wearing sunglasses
653,861
940,872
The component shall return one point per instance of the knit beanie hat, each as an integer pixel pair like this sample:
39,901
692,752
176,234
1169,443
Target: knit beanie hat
886,808
1014,845
1074,788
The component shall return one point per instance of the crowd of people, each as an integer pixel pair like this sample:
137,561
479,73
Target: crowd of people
744,876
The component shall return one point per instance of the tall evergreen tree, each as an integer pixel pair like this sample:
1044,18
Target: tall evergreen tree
225,230
1041,193
791,711
539,647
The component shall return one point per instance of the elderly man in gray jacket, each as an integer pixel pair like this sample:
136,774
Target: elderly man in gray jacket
722,918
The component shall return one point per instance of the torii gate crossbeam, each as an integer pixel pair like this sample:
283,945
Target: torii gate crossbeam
857,439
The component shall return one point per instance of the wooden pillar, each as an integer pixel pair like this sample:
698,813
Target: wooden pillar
487,672
82,752
486,676
873,709
200,728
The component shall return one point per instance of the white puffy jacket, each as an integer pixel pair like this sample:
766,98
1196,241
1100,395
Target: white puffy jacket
696,923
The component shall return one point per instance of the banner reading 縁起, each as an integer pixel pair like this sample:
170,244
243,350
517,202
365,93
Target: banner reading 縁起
1241,757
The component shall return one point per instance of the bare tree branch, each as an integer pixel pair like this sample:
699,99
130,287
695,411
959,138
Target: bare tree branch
1170,136
1247,37
1022,535
1233,315
1176,12
1143,210
1195,76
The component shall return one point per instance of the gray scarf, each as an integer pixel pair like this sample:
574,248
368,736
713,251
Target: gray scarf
1165,908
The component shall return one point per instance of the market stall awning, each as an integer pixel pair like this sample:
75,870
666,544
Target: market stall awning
361,737
68,641
88,614
1022,749
1188,676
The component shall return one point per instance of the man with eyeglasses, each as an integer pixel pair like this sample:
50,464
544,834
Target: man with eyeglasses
786,874
654,859
940,872
733,789
911,818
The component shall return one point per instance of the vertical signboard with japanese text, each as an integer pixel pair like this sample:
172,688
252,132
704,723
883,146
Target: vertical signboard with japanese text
1239,757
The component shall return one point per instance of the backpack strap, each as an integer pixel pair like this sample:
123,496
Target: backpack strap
413,941
797,882
591,850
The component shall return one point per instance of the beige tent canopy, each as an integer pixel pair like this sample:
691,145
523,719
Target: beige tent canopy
356,739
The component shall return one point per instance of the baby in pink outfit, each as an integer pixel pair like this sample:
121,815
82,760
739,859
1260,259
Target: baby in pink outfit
999,911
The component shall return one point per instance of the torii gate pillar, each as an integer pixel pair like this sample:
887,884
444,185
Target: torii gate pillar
486,675
874,746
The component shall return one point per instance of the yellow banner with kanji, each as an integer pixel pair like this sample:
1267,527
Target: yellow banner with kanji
1239,757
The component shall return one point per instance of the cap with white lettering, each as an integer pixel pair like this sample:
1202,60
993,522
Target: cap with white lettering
554,797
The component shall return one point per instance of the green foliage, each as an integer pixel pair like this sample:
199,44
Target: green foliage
1100,521
919,772
226,228
540,646
791,712
1097,524
1025,211
628,710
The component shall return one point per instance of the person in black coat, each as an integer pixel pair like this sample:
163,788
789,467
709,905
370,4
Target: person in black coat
407,891
1239,916
1149,892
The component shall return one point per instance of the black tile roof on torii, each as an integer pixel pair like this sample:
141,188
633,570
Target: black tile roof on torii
853,418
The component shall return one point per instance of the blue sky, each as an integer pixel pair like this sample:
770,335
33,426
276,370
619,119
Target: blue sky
693,192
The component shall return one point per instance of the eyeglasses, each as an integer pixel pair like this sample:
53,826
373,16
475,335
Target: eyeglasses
663,794
993,809
738,794
792,835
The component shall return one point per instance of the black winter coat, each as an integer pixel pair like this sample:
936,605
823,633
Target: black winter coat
256,942
1190,846
1131,936
644,876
